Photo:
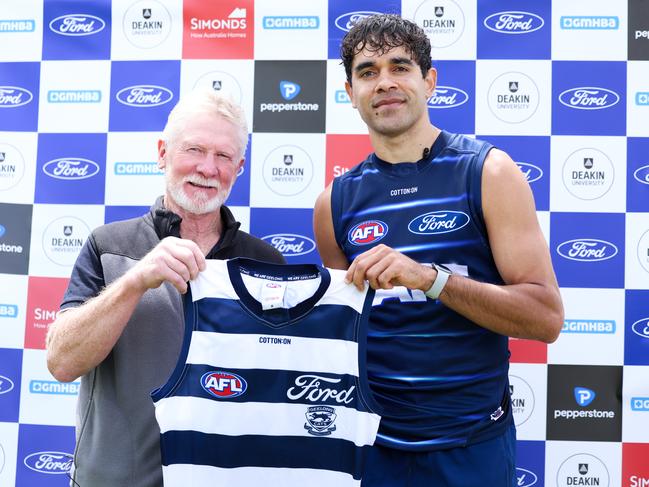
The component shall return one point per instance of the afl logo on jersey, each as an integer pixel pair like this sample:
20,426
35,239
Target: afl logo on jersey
223,385
368,232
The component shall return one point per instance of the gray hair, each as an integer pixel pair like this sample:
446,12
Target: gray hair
206,101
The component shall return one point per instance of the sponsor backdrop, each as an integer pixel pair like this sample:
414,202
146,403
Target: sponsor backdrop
85,88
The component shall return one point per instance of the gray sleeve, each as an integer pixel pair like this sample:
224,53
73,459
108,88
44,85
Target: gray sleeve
87,278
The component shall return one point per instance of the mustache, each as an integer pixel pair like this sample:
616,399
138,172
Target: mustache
201,181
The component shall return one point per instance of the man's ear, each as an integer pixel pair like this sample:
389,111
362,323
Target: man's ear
162,152
431,82
350,92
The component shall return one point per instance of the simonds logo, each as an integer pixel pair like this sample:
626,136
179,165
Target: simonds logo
641,327
642,174
513,22
13,96
224,385
289,244
587,250
346,21
77,25
532,173
144,96
51,462
525,478
71,168
447,97
367,232
589,98
438,222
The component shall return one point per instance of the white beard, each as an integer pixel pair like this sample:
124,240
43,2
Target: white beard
199,204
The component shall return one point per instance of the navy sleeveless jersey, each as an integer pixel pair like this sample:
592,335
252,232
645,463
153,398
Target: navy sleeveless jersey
440,379
270,386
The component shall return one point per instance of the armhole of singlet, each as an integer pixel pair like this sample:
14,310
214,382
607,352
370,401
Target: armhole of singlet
474,189
336,211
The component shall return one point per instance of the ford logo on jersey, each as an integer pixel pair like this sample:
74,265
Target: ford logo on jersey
641,327
642,174
587,250
52,462
77,25
525,478
289,244
367,232
438,222
346,21
514,22
6,384
447,97
532,173
589,98
144,96
223,385
71,168
13,96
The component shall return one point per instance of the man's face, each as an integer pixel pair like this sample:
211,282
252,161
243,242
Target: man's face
201,163
389,90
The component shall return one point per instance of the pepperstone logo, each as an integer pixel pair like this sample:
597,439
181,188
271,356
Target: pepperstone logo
532,173
597,327
290,244
288,170
589,22
641,328
587,250
589,98
147,24
12,166
144,96
77,25
442,20
63,239
514,22
14,96
583,469
637,31
347,20
588,174
447,97
71,168
17,25
49,462
643,251
513,97
289,90
222,82
522,399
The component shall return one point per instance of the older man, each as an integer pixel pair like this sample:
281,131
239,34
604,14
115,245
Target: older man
121,325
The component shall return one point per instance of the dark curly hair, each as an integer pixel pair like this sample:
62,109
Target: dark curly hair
379,34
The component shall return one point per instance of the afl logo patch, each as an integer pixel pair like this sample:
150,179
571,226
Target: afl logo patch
367,232
223,385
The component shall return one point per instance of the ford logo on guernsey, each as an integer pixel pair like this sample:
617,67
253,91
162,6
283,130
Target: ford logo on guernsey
144,96
525,478
224,385
438,222
6,384
642,174
447,97
587,250
346,21
368,232
532,173
71,168
514,22
289,244
52,462
589,98
77,25
641,327
13,96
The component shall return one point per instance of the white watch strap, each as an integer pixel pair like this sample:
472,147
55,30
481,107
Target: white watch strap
440,281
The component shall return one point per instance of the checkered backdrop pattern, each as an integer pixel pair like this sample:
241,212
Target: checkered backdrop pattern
85,88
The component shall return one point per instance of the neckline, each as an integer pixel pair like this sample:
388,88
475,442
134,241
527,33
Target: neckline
280,272
401,168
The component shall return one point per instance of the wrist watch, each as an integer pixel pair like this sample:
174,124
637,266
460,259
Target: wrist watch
443,273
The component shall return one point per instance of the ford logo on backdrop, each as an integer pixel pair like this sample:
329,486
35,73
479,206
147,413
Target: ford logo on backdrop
514,22
13,96
642,174
589,98
144,96
290,244
6,384
587,250
641,327
525,478
71,168
77,25
532,173
52,462
438,222
447,97
346,21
